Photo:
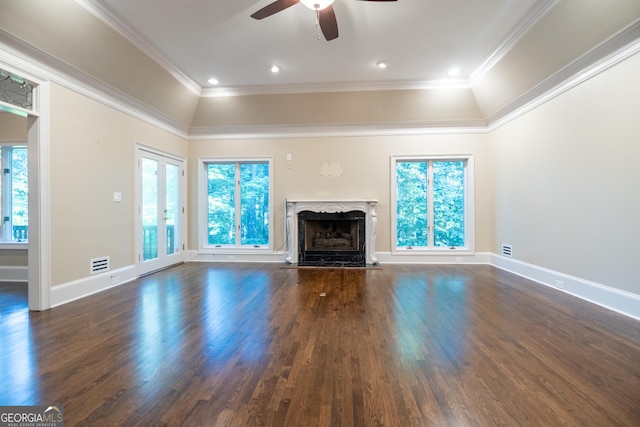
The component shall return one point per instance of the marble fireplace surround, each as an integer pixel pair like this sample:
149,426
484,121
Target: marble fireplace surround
368,206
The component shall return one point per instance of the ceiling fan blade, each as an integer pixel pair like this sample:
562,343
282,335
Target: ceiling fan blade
275,7
328,23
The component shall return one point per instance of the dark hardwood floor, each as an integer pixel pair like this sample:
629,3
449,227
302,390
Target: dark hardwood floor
247,345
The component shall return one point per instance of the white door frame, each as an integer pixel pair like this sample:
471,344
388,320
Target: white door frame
39,164
38,136
179,257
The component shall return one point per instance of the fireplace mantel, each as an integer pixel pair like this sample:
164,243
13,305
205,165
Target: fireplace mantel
368,206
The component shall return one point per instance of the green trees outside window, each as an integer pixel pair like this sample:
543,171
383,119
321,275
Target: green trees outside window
411,186
238,203
14,193
430,203
448,203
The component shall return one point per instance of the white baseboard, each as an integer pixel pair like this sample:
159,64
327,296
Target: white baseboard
619,301
86,286
197,256
458,258
383,258
14,274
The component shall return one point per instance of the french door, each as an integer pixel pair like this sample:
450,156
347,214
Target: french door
161,217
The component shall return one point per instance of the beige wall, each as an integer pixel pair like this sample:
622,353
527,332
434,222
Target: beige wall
12,128
452,105
566,181
366,172
92,156
13,258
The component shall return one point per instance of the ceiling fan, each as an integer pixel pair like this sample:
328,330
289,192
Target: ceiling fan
325,16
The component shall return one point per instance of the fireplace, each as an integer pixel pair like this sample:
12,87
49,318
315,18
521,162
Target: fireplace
331,239
331,232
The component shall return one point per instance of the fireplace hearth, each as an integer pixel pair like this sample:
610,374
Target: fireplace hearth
331,239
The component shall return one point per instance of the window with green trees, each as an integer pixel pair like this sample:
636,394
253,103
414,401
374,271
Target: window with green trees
432,203
14,194
238,203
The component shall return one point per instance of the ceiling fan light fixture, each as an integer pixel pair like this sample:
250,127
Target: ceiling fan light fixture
382,64
317,4
275,69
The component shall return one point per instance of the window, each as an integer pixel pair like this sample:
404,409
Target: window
17,91
433,207
238,203
14,192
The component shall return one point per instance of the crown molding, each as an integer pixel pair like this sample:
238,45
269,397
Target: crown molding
17,63
115,21
283,89
524,25
41,67
338,130
616,49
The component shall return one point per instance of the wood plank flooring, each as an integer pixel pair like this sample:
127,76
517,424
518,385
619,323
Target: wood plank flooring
261,345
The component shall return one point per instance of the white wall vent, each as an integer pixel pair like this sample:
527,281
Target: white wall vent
506,250
98,265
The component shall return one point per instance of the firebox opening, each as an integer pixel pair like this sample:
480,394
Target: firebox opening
331,239
328,234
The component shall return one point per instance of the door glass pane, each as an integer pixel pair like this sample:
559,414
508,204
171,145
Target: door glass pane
149,209
5,232
411,214
448,203
221,195
254,194
19,194
172,201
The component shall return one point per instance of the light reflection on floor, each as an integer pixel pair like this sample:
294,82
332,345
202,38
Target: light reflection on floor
18,363
161,328
160,333
437,304
225,310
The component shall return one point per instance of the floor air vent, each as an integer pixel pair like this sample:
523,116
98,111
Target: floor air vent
99,265
506,250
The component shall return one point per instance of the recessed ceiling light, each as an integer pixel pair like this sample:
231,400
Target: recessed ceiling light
275,69
382,64
213,81
454,72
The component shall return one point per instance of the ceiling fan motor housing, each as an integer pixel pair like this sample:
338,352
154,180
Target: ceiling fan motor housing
317,4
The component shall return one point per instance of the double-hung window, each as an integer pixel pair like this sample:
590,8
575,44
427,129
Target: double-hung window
14,194
432,203
238,203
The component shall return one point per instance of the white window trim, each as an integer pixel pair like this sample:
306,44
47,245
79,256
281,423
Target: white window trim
203,245
14,246
469,212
